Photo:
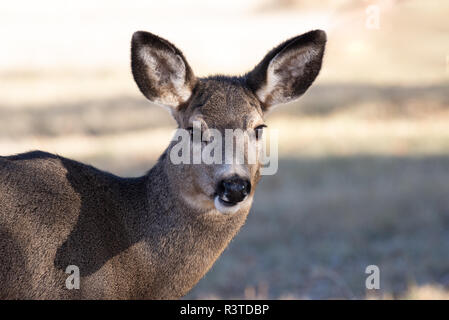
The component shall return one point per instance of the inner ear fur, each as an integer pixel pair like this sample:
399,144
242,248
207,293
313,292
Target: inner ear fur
160,70
288,70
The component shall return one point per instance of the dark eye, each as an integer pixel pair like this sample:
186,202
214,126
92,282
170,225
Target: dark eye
190,129
259,131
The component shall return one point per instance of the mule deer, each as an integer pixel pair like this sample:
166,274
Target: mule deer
152,237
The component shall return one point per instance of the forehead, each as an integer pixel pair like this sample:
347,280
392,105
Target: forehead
225,103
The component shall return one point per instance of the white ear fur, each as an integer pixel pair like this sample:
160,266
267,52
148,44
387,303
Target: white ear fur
288,70
284,68
173,88
160,70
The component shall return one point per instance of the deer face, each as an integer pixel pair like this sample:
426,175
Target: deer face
214,106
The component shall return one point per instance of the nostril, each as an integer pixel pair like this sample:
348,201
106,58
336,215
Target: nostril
247,187
223,185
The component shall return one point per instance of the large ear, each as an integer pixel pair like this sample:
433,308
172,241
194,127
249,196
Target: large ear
160,70
288,70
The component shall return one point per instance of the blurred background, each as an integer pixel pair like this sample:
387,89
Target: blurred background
363,177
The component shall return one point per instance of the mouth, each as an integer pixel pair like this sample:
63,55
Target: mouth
226,207
226,203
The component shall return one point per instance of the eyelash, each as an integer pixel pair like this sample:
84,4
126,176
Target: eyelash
259,131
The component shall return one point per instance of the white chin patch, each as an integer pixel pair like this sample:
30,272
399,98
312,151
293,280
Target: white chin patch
224,209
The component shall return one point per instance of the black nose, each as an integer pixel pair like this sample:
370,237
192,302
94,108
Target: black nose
233,190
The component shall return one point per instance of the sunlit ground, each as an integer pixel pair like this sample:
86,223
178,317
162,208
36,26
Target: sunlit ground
364,157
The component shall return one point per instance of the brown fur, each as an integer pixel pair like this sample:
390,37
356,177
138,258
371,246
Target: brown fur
131,238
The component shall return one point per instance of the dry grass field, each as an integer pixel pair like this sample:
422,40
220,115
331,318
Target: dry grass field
364,156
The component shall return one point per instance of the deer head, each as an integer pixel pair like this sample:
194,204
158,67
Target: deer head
219,103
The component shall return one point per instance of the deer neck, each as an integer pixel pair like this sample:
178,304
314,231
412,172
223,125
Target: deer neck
186,240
